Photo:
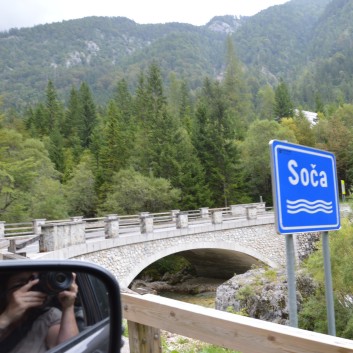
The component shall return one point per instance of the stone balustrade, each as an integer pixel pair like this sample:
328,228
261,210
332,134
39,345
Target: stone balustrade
58,235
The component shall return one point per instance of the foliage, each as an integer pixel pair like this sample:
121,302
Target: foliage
80,190
157,140
181,344
131,192
305,42
170,264
313,313
283,103
255,156
47,200
25,170
271,274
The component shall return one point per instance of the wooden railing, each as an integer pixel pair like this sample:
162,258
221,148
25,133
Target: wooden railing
149,313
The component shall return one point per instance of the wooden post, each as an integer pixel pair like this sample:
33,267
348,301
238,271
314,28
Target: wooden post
144,339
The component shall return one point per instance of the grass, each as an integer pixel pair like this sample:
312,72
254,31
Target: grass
179,344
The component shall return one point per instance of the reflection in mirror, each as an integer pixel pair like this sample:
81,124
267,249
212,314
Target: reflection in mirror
40,310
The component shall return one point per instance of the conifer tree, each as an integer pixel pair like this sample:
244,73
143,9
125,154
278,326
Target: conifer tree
186,109
72,125
154,148
265,102
215,143
283,104
127,122
35,118
236,93
188,173
53,110
55,146
88,115
123,100
113,151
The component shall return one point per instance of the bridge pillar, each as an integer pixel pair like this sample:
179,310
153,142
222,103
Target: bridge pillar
251,212
56,236
182,220
174,215
146,224
111,227
217,217
2,229
261,207
37,225
204,212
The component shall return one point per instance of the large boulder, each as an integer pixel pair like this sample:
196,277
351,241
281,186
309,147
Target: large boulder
262,294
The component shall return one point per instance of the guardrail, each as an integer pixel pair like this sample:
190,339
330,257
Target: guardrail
18,235
148,314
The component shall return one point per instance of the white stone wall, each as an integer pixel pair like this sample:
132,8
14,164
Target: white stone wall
126,256
126,262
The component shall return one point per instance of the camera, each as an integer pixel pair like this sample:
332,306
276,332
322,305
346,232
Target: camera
53,283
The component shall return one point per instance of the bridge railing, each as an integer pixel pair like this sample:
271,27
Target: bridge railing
148,314
16,229
18,235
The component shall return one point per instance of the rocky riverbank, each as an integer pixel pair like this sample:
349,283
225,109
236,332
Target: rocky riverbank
177,283
262,294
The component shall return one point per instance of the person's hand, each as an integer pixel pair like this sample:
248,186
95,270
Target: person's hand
67,297
22,299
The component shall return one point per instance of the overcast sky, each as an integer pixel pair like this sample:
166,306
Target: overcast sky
27,13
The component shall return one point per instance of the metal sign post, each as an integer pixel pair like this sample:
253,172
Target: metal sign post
343,188
306,199
330,308
292,291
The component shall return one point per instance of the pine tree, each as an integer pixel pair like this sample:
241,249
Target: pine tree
113,151
155,126
266,102
283,104
72,125
236,93
88,115
214,141
53,110
56,149
123,100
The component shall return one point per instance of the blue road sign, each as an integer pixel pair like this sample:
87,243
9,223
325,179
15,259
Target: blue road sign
305,188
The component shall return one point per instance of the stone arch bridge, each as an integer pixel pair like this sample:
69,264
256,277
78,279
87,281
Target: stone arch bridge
217,242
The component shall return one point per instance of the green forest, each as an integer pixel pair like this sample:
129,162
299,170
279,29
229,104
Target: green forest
156,148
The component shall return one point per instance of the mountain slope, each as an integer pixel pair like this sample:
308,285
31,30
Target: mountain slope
285,41
99,50
276,40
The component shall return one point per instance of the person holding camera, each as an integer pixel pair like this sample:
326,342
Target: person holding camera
27,324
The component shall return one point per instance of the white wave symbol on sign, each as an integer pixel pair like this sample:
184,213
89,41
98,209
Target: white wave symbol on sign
303,205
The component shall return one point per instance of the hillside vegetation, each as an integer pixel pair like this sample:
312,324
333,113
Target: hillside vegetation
307,43
102,115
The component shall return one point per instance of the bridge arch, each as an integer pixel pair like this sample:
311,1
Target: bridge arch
244,257
237,244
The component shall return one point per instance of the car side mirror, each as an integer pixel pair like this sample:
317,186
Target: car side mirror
60,306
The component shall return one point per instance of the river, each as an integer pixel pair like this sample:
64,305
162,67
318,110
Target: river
205,299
